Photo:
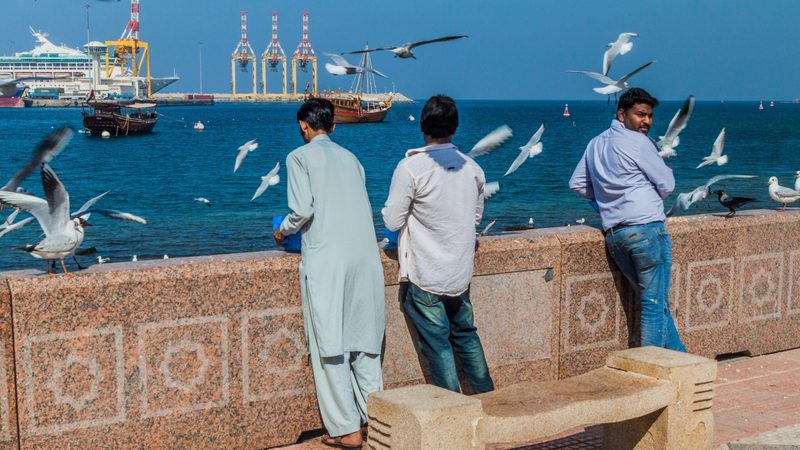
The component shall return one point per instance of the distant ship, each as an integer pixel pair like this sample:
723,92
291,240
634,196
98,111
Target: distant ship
57,71
566,110
15,100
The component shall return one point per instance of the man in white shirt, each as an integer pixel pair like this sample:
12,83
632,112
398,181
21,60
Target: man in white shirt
436,201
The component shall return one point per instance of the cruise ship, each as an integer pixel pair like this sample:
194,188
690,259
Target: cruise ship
58,71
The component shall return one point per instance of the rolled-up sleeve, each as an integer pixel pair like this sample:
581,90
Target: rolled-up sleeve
581,182
656,170
300,198
401,193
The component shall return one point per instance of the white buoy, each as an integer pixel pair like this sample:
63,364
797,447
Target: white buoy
199,126
105,134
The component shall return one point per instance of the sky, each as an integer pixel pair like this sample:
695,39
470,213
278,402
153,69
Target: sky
517,49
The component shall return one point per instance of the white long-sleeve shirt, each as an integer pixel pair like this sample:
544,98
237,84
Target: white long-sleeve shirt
436,201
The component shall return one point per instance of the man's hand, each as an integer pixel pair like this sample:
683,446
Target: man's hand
279,237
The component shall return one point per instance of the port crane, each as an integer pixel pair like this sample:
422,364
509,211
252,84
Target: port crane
302,56
242,55
126,50
273,56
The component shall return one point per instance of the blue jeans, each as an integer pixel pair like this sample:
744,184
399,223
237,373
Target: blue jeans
445,329
644,255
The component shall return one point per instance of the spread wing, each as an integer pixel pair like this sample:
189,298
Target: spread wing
56,195
719,144
370,50
678,123
491,141
536,136
270,179
118,215
489,189
635,71
47,149
88,205
34,205
340,61
523,155
719,178
431,41
597,76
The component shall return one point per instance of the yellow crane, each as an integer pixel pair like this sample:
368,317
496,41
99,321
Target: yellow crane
273,55
243,54
302,55
126,49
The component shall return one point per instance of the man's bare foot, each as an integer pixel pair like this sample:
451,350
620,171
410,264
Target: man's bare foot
352,440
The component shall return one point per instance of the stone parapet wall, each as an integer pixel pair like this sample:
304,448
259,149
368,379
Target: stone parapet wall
209,352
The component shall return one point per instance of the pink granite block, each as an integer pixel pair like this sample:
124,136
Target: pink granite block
8,401
181,354
703,293
596,314
769,274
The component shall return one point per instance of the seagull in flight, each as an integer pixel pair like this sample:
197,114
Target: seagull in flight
63,234
782,194
487,228
404,51
619,47
46,151
529,150
491,188
667,143
342,67
491,141
270,179
244,149
686,199
611,86
716,155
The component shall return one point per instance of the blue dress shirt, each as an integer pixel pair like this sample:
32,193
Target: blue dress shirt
622,172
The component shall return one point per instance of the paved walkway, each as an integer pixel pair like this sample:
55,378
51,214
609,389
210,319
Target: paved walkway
755,400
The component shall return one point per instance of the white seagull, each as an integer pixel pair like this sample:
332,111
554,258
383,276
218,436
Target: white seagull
782,194
488,227
667,143
529,150
63,234
619,47
404,51
203,200
611,86
797,181
686,199
47,150
270,179
244,149
716,155
342,67
491,141
101,260
491,188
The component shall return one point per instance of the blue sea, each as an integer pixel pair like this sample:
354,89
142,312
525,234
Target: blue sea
157,176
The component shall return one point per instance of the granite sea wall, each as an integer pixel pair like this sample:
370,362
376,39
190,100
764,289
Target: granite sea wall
210,352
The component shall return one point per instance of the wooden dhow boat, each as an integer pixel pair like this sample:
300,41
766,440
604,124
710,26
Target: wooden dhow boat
119,120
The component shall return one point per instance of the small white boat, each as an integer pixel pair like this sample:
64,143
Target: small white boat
411,118
199,126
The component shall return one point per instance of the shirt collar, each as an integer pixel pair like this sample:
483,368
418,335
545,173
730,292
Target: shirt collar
320,137
431,148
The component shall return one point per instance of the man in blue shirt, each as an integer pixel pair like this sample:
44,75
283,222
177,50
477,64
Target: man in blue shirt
622,172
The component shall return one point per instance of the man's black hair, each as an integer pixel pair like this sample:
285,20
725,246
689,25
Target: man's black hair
439,117
317,113
633,96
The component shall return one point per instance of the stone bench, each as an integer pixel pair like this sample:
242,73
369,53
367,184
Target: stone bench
646,398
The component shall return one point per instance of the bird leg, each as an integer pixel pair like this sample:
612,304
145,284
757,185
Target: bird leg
784,207
80,267
50,266
64,266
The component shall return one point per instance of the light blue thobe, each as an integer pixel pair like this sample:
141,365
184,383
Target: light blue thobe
341,273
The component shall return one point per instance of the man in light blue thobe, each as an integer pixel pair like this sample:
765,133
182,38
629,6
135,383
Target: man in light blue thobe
341,274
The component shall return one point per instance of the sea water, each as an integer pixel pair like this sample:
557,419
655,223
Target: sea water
157,176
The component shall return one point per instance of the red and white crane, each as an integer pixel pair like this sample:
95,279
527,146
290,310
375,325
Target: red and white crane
302,55
273,55
242,54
